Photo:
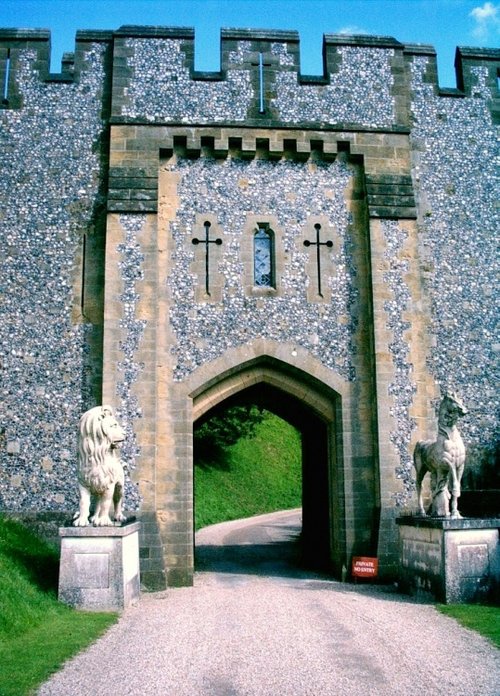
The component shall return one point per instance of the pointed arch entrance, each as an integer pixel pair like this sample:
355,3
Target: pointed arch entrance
314,409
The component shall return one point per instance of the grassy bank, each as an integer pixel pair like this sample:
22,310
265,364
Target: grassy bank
37,633
256,475
483,619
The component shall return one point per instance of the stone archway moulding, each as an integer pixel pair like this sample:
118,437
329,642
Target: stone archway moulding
258,372
242,367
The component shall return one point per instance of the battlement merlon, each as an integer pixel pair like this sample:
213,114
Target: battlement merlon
466,58
12,42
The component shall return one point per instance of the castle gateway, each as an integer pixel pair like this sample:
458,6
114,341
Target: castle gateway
176,240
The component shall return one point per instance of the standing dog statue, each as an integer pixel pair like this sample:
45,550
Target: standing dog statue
100,473
444,459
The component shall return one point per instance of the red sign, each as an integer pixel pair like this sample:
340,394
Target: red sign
364,567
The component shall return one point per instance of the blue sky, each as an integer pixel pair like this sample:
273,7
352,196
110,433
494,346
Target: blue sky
442,23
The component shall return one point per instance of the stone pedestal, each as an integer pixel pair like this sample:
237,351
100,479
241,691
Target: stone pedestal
453,561
99,567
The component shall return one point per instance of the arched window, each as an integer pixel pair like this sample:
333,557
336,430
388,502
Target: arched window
263,257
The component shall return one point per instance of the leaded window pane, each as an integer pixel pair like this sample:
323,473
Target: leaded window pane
263,258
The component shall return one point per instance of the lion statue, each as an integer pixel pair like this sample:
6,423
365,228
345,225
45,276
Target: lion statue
444,459
100,473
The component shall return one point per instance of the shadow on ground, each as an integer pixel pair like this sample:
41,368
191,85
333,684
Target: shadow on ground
272,548
273,558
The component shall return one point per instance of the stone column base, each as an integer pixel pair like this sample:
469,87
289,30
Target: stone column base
452,561
99,567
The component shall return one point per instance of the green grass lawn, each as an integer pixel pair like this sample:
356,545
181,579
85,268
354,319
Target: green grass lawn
258,474
483,619
37,633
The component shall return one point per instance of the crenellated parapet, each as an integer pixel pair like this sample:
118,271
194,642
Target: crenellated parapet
27,51
365,83
467,63
12,43
260,82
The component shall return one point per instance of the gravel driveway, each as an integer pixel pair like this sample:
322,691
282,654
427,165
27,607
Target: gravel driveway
254,625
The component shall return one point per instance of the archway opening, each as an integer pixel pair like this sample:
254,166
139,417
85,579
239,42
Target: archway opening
314,445
247,462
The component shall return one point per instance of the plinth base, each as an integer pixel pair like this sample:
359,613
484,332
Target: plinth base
99,567
453,561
